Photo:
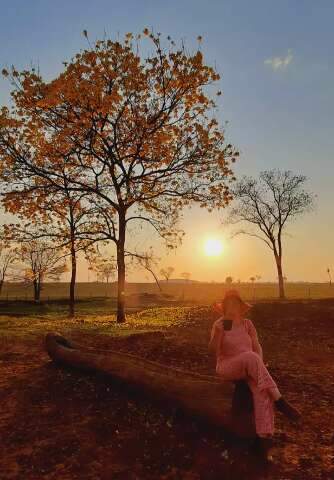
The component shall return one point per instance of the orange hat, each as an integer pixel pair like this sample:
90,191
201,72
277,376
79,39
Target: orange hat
245,307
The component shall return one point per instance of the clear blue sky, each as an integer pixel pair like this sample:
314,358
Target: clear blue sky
277,64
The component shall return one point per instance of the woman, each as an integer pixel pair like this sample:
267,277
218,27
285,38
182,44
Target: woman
239,357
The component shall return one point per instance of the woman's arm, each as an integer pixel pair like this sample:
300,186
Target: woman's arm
215,338
256,346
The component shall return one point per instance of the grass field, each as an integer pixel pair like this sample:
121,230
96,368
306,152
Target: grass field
62,424
198,293
100,299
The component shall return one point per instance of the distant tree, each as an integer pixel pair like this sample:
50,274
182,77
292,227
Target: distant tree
104,267
329,275
59,216
7,259
229,280
147,261
185,276
253,279
267,205
167,273
41,262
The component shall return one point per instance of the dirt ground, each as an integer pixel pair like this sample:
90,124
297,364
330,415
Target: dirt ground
66,425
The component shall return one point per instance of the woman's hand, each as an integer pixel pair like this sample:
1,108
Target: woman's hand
217,307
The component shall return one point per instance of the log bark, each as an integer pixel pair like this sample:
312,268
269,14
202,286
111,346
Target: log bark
218,403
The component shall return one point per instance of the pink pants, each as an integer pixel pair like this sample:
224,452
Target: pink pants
250,367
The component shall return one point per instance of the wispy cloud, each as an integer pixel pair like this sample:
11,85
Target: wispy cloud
279,63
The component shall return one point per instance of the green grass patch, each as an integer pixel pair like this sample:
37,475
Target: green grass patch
152,319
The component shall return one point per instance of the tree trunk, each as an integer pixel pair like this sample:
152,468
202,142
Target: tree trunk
203,396
280,277
155,278
1,285
37,290
121,269
73,277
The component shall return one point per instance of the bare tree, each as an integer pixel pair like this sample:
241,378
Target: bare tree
253,279
185,276
329,276
41,262
267,205
7,258
167,273
104,266
148,261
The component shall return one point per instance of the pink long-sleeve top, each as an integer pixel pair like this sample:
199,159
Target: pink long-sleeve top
229,343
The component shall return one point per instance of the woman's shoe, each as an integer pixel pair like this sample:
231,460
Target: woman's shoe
287,409
262,446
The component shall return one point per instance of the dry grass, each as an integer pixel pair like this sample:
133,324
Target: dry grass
195,292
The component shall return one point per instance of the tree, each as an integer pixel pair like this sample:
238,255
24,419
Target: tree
7,259
253,280
167,273
147,261
41,262
104,266
136,133
229,280
108,270
185,276
59,216
267,205
329,276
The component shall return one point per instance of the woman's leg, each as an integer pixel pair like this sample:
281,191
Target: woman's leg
250,367
264,414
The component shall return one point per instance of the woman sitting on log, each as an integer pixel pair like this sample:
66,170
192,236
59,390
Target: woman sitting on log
239,357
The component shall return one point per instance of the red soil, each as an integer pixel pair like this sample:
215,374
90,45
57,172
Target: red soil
60,424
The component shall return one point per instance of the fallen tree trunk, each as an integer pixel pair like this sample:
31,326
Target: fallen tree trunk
205,397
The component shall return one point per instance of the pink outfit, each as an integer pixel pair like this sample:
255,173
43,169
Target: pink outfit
236,360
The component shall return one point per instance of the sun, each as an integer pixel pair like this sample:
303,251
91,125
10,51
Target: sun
213,247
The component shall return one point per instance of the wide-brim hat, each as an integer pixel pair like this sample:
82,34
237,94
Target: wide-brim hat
244,306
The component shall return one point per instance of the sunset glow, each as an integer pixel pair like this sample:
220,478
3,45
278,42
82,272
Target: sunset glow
213,247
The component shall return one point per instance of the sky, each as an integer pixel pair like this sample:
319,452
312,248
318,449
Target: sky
277,67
